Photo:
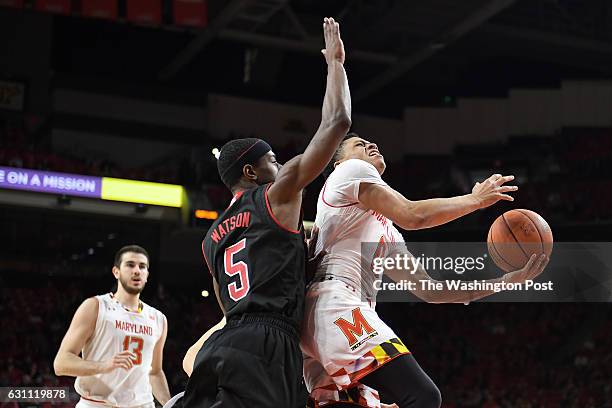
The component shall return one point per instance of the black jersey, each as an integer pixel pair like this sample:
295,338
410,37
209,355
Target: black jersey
258,264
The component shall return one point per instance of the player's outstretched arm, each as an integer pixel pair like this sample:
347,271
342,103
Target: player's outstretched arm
191,354
298,172
157,377
412,215
82,327
534,267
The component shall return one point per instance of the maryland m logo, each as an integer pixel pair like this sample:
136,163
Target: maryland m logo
354,330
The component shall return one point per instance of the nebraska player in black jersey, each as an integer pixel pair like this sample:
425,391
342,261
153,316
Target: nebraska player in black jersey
256,255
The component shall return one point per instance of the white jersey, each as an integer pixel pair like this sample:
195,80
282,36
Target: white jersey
118,329
344,225
343,338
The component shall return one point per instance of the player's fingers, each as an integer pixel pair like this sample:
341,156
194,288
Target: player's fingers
121,364
124,353
503,179
543,262
505,197
531,262
539,266
505,189
122,359
495,177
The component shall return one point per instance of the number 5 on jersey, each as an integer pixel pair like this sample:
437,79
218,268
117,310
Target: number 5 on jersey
239,289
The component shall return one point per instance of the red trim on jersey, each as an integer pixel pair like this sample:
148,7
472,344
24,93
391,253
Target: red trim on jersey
236,197
331,205
206,260
272,214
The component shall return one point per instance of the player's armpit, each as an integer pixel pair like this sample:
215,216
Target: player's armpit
82,327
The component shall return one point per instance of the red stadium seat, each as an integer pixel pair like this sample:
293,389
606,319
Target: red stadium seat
147,12
106,9
54,6
190,13
11,3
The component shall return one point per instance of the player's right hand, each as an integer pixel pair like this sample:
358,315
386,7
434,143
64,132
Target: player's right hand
124,359
531,270
492,190
334,48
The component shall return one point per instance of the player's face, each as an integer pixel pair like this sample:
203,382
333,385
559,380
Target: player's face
267,168
358,148
133,272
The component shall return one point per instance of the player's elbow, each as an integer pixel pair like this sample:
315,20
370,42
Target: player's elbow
58,366
155,371
340,123
412,220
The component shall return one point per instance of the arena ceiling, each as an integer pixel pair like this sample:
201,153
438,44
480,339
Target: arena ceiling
400,52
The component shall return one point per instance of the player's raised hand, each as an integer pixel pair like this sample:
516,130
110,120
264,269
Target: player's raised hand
493,189
334,48
534,267
124,359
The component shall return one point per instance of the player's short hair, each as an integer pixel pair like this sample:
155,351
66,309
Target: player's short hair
235,154
129,248
330,166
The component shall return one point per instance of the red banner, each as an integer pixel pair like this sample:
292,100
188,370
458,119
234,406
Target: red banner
190,13
11,3
99,9
54,6
147,12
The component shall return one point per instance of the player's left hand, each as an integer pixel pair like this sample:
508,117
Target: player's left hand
334,47
492,190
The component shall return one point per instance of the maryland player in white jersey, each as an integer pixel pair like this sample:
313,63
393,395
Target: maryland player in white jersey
350,353
121,341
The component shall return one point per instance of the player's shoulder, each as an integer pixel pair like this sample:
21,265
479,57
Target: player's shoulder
354,168
88,309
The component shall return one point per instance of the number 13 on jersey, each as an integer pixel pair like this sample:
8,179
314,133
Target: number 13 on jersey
240,288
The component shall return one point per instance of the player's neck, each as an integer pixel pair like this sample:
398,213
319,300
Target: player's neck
132,302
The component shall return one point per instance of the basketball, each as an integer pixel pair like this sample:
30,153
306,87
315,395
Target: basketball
516,235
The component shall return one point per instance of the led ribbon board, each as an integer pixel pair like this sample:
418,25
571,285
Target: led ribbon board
132,191
106,188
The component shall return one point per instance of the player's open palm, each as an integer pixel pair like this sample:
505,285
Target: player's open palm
493,189
534,267
124,359
334,48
